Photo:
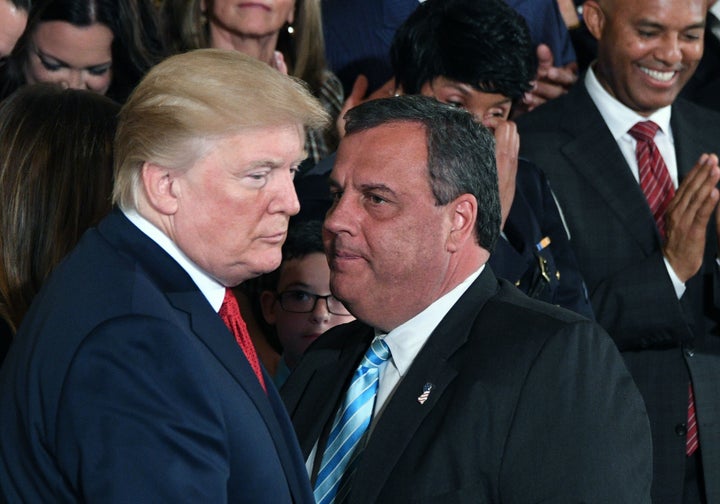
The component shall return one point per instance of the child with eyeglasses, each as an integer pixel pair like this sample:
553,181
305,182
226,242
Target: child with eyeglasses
297,299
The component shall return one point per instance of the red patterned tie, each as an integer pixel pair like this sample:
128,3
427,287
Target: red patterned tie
658,188
230,313
691,442
655,179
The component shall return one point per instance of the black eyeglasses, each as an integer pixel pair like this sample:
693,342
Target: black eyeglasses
298,301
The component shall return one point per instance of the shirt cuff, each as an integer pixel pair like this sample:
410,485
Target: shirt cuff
677,283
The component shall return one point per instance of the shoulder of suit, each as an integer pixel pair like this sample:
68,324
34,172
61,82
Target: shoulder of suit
552,112
524,310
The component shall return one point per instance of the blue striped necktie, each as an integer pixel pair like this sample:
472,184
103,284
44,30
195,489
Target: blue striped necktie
347,436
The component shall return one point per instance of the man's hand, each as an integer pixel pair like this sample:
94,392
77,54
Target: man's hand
357,96
688,215
550,81
507,146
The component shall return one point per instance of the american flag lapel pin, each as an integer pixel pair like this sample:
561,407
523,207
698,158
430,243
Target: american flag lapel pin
425,393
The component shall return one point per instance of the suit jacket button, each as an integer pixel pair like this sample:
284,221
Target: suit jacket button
689,351
681,429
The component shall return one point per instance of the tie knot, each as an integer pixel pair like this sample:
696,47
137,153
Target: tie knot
229,307
644,131
378,353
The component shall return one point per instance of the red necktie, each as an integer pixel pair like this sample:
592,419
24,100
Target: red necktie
655,179
658,188
230,313
691,441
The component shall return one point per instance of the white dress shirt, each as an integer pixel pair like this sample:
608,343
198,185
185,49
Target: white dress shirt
405,342
619,119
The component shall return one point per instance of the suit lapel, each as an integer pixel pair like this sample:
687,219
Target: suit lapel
593,152
687,147
210,329
194,311
404,414
330,371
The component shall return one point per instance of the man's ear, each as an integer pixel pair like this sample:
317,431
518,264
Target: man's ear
267,305
594,18
464,210
160,188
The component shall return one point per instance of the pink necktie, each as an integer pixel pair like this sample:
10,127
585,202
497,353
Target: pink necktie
655,179
230,313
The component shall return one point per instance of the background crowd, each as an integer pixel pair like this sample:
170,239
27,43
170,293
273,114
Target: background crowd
508,208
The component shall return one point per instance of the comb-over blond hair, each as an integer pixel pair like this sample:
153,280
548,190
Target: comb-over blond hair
207,93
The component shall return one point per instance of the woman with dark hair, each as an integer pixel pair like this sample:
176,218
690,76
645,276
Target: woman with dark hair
105,46
55,182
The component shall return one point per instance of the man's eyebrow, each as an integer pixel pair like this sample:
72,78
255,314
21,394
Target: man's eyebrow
649,23
377,188
367,187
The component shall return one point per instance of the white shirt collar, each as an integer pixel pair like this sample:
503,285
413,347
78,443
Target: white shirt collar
213,291
406,340
618,117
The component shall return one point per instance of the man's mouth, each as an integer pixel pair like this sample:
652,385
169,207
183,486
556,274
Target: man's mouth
658,75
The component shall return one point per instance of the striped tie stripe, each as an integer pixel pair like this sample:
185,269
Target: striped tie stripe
655,180
349,427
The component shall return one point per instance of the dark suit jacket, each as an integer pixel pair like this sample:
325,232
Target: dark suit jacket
664,340
530,403
124,385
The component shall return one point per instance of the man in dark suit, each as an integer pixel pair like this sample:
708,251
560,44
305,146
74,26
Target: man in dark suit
655,293
475,392
123,383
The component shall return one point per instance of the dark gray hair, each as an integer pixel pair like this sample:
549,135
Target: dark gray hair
461,153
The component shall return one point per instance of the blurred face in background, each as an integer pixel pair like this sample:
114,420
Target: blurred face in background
488,108
74,57
251,18
11,27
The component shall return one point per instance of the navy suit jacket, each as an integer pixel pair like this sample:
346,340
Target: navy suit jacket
530,403
124,385
665,341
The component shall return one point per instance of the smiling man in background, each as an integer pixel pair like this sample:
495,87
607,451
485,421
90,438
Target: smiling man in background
634,174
